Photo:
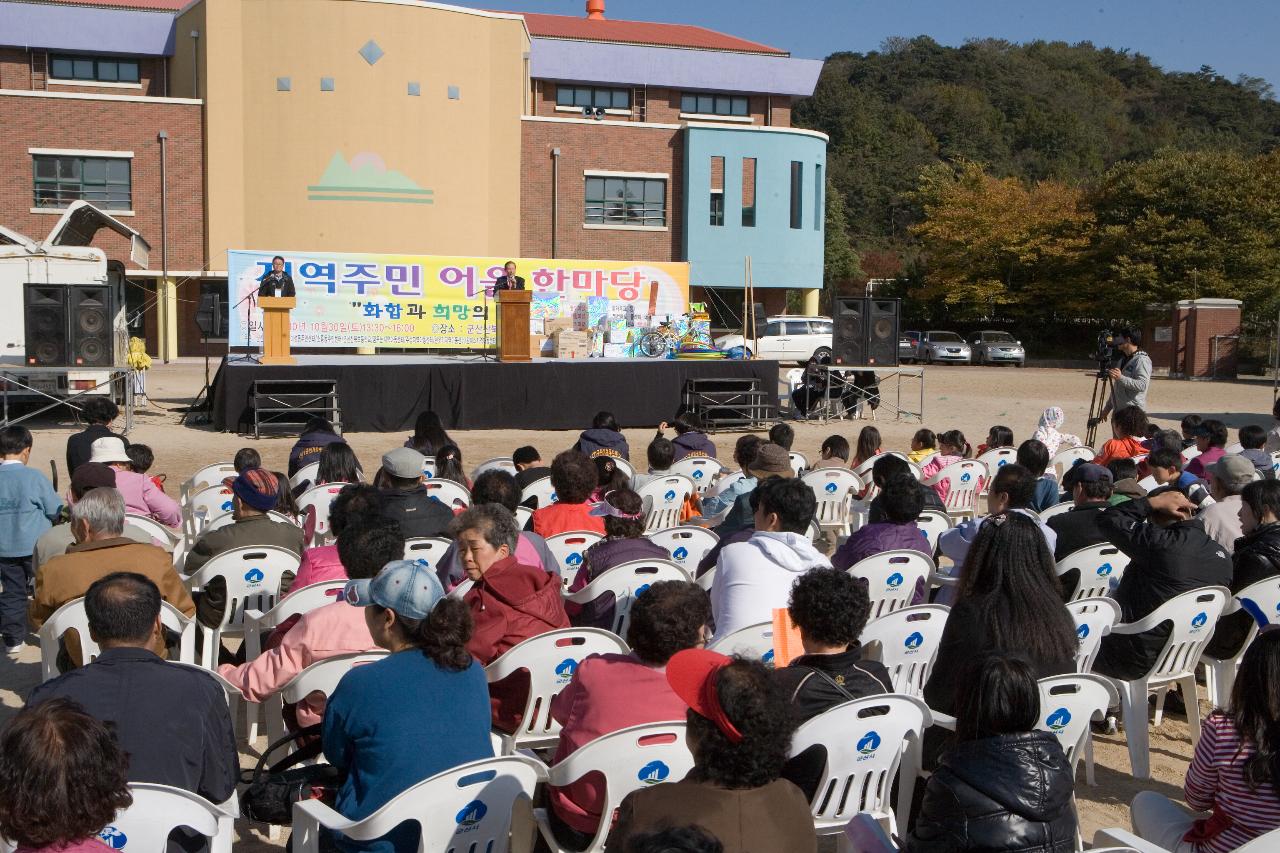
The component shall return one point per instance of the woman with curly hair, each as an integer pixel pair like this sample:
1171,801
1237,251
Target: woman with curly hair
62,779
739,732
613,691
624,541
574,477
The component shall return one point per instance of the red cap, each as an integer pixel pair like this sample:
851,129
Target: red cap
692,675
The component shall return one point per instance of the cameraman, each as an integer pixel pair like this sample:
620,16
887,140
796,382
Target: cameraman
1130,379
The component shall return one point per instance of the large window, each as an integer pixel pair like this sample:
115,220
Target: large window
103,181
797,194
593,96
748,192
711,104
94,69
611,200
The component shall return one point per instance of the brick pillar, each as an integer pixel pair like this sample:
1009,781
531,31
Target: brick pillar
1213,338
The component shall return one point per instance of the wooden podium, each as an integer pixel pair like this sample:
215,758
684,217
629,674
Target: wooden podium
275,328
513,325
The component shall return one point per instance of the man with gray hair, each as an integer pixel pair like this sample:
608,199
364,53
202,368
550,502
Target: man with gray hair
97,523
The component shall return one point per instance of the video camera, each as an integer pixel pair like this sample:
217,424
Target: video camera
1108,354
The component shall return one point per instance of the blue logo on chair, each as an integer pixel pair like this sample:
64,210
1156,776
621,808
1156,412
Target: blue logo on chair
574,559
471,815
831,488
767,659
670,495
640,591
1082,631
966,477
565,669
226,506
697,473
914,641
1059,719
894,580
1002,463
254,575
681,553
1104,570
1198,621
653,773
113,838
554,497
869,743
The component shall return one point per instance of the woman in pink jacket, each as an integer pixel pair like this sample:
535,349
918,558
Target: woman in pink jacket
356,503
141,495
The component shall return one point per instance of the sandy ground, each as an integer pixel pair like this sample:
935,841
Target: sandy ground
966,398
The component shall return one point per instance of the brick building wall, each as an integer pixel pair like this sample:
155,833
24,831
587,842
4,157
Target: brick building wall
16,73
1206,338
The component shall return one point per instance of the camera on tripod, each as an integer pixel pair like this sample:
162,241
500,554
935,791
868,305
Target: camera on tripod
1107,355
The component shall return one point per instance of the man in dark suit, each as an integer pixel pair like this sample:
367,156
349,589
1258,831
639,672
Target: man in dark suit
510,281
277,282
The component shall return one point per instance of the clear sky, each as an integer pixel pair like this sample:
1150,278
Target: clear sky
1233,36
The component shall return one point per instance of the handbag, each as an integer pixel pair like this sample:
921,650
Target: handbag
273,790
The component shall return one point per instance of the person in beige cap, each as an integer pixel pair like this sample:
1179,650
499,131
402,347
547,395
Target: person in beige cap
770,460
1227,479
141,495
405,498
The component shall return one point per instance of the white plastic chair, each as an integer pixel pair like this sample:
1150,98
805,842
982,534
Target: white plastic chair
204,506
542,490
706,579
428,467
1275,461
625,467
892,577
627,582
258,625
666,496
319,499
1189,453
1094,618
209,475
629,759
551,659
570,550
252,576
1268,843
1100,566
320,677
754,642
72,616
933,523
500,463
906,642
1067,456
725,481
865,740
154,529
1194,615
835,490
799,462
157,810
1260,600
686,544
305,474
428,550
523,514
702,470
453,495
1067,704
966,478
482,799
1057,509
994,460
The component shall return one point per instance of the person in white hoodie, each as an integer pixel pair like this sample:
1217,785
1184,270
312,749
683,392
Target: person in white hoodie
754,578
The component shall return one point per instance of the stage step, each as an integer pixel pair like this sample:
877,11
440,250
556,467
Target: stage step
287,404
729,404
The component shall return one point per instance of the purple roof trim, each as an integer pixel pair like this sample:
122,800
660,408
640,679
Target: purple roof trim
56,27
721,71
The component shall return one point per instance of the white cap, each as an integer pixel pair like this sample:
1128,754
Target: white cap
107,450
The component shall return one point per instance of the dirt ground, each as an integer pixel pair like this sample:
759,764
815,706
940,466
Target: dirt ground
967,398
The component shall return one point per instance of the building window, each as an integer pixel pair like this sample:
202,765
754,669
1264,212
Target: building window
817,198
712,104
95,69
748,192
104,182
797,194
625,201
593,96
717,191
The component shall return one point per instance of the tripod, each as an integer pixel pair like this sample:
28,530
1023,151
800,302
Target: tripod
1098,402
249,301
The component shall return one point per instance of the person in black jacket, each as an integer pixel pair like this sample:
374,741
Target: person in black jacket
277,282
1169,554
605,438
690,439
99,412
1078,527
886,468
1256,557
405,498
1003,786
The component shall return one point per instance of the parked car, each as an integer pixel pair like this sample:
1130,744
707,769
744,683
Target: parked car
786,338
991,347
943,346
908,344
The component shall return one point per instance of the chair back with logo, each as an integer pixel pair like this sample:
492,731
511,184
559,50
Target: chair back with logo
687,544
702,470
754,642
1067,456
542,490
167,536
906,642
204,506
319,500
157,811
933,523
570,550
965,479
1094,618
835,490
1067,704
1100,567
892,577
997,458
799,462
453,495
627,582
252,576
427,550
500,463
1260,600
666,497
300,600
72,617
306,474
209,475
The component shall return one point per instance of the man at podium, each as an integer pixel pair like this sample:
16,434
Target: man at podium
277,282
510,281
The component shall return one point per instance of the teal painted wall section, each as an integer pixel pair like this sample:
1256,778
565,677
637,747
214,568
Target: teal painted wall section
781,256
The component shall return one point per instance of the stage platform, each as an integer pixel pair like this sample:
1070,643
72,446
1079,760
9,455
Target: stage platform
385,393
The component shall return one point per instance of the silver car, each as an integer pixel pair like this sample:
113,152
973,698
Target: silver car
944,347
993,347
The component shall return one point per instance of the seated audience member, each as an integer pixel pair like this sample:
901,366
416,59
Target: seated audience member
1048,432
1227,479
357,503
1169,553
1273,434
338,464
496,486
770,462
1256,558
661,455
624,542
326,632
1128,428
675,839
529,467
997,437
888,467
29,508
755,577
62,779
1211,439
172,721
609,477
574,477
98,413
285,503
141,495
429,435
1189,426
141,458
1165,465
739,732
1124,481
375,727
1234,774
952,448
835,453
614,691
604,438
97,522
1034,456
1252,439
1078,527
868,446
449,466
744,454
1004,785
316,435
690,438
405,498
923,445
246,458
1012,490
54,541
782,435
1009,600
902,506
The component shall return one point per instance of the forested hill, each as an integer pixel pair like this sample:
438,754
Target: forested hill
1043,110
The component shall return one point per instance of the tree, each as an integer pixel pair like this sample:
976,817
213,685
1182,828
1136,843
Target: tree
840,261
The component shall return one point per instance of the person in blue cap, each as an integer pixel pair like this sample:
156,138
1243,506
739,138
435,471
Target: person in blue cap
421,710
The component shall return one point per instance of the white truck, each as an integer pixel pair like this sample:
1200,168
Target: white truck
71,335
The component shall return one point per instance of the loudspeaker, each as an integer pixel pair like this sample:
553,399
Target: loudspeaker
90,312
69,326
882,332
209,315
46,325
865,331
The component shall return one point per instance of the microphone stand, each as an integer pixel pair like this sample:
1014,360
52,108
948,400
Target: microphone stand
250,299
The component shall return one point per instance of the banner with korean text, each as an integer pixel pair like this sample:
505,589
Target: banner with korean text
438,302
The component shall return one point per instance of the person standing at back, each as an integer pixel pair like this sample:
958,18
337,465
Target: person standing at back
28,507
99,413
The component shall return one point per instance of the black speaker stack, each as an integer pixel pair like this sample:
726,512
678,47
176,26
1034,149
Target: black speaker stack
865,331
69,325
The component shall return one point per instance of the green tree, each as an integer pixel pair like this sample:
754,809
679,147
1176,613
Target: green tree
840,261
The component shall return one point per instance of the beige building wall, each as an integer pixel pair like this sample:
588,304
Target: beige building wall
367,166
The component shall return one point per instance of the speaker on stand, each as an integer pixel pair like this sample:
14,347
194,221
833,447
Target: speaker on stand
91,329
882,331
46,325
865,331
209,314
